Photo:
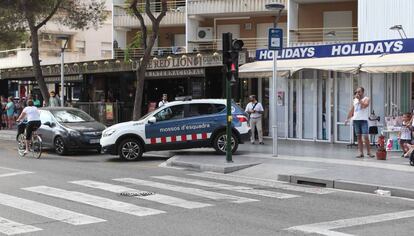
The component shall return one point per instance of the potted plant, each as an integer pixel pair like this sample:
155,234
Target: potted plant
381,152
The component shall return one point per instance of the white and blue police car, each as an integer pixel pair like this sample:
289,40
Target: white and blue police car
177,125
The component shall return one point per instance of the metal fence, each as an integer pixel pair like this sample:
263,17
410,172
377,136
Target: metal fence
108,113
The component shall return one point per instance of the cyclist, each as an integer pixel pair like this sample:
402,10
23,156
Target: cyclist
33,121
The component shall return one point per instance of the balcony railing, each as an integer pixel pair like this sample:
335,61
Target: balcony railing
312,36
175,15
135,53
205,7
21,57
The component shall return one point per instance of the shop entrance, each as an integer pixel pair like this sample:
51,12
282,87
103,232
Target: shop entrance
310,106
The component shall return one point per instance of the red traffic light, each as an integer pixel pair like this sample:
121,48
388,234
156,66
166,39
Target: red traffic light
233,67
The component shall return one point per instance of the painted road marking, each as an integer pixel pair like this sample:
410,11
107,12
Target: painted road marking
9,227
263,182
96,201
192,191
13,172
160,198
47,211
241,189
325,228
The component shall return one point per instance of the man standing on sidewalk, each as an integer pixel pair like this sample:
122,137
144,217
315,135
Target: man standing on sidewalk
164,100
360,114
255,111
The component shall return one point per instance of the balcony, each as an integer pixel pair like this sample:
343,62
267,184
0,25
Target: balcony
21,57
136,53
175,15
217,7
250,44
318,36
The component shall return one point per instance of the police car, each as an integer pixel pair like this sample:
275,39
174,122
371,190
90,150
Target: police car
177,125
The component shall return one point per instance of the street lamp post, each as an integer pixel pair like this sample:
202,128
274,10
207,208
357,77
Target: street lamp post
273,110
62,69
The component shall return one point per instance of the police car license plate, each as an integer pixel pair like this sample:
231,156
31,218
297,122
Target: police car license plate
94,141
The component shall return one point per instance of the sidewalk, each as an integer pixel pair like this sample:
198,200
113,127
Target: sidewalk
8,135
320,164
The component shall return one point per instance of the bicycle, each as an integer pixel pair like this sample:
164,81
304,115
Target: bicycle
35,145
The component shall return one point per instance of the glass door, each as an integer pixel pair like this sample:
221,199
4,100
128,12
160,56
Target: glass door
309,104
343,100
293,98
324,106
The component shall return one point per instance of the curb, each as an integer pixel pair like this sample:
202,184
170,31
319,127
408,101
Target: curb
7,137
347,185
223,168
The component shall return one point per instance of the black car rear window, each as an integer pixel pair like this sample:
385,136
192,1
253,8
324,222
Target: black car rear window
71,116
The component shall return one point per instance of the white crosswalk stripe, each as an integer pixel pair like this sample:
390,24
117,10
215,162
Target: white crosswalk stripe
9,227
241,189
160,198
47,211
187,190
96,201
264,183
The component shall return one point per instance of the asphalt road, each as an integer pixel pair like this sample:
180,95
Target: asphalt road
88,194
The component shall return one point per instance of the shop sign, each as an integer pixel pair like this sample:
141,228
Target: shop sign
339,50
192,72
190,61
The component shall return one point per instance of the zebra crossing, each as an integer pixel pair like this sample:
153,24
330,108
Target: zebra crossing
205,186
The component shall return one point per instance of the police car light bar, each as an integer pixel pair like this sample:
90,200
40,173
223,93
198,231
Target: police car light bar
184,98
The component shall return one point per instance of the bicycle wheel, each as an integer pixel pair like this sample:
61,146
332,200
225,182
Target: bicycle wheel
36,146
21,145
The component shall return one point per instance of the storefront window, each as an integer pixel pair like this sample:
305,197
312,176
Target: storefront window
308,103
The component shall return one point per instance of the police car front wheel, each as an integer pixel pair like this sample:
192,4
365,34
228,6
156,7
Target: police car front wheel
220,143
130,149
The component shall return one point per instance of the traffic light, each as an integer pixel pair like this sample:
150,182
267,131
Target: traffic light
231,49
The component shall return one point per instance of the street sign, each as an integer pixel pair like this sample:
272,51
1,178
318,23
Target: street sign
275,39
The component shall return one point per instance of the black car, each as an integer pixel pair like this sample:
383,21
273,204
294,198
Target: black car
69,129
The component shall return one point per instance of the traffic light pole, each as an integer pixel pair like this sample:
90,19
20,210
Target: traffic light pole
229,157
231,49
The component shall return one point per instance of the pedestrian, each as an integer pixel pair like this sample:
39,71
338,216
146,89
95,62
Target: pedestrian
36,101
164,100
405,135
359,113
53,100
1,113
10,112
255,111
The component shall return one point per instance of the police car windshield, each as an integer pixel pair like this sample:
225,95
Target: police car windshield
146,115
71,116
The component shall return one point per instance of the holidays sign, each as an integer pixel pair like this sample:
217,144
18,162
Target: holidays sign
339,50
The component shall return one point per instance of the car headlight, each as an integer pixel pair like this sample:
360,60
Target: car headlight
108,132
74,133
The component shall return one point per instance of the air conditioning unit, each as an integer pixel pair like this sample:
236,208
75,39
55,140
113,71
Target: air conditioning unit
205,34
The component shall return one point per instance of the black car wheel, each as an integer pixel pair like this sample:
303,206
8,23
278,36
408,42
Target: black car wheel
130,149
59,145
99,150
220,143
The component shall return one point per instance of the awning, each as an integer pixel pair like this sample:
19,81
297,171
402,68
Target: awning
389,63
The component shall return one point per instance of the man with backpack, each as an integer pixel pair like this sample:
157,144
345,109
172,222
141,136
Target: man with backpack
255,111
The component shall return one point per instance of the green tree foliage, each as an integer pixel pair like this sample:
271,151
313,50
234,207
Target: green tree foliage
31,15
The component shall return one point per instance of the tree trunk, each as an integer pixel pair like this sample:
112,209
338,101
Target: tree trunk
139,91
36,65
141,76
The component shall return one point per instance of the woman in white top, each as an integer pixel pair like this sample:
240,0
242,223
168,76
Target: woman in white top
33,121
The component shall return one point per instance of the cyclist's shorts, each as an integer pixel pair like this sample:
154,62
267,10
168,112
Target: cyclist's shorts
32,126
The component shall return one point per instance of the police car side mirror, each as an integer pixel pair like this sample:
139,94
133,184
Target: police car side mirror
152,120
